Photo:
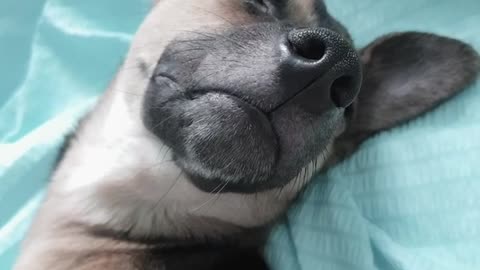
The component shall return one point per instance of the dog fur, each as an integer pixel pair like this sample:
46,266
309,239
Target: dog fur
119,199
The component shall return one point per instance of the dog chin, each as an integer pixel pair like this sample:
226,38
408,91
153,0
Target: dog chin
224,144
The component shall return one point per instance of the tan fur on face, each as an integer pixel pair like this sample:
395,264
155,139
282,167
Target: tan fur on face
133,169
118,176
302,10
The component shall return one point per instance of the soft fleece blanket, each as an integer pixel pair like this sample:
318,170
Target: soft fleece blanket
410,199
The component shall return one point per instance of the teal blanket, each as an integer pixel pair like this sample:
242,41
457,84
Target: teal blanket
410,199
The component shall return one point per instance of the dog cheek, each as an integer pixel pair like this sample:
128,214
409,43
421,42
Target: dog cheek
229,137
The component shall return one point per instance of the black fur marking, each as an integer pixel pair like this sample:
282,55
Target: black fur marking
204,258
67,141
244,236
142,66
241,250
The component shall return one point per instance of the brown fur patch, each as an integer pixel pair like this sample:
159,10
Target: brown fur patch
303,11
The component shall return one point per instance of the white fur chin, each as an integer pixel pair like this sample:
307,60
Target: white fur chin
118,175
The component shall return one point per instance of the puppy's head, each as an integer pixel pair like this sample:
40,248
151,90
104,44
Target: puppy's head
251,94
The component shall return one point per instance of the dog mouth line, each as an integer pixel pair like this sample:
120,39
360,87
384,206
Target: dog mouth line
193,94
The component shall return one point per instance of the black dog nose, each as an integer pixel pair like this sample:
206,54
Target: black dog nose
321,70
307,43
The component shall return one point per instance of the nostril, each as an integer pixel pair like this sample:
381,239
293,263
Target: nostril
342,91
321,70
307,44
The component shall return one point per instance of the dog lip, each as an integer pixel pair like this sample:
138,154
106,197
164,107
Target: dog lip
192,94
267,140
174,88
164,75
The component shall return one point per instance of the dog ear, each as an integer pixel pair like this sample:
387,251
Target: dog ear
405,75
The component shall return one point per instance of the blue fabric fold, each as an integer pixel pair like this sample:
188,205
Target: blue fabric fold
409,199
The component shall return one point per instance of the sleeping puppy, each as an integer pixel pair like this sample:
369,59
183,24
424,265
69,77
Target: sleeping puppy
218,118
